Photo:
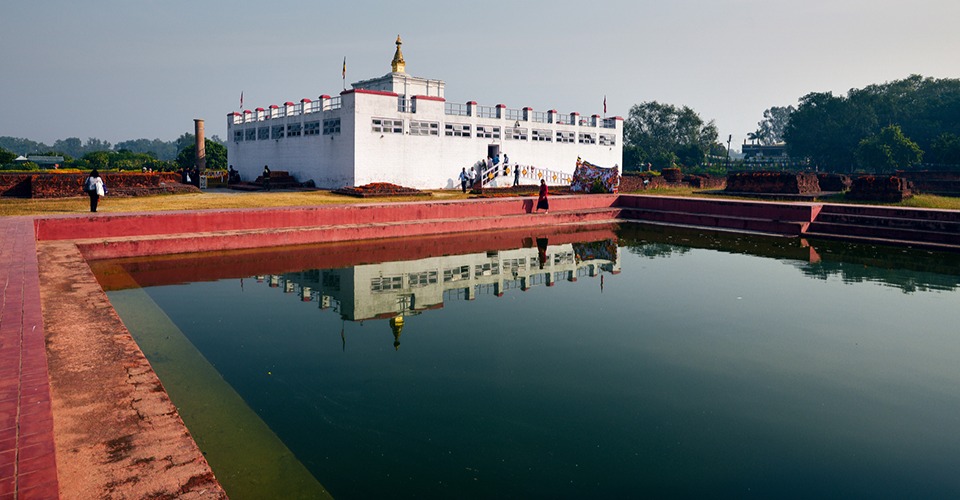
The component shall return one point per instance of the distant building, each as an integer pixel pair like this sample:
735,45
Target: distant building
400,129
777,151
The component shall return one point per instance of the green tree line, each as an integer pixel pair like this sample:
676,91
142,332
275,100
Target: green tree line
134,154
879,128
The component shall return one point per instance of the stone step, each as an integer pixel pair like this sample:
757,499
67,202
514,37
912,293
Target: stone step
906,213
189,242
708,220
915,223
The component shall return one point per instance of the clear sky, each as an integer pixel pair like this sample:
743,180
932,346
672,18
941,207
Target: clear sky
129,69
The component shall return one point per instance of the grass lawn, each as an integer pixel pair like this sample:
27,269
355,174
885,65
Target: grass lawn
217,199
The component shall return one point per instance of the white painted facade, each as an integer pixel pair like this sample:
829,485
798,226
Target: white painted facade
400,129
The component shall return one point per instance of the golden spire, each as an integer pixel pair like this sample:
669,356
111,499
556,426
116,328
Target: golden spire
398,66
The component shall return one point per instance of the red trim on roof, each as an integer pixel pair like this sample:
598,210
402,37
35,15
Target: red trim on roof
595,116
501,105
429,98
575,113
289,103
233,114
274,106
371,92
305,100
324,96
474,103
618,118
528,108
553,111
247,111
260,109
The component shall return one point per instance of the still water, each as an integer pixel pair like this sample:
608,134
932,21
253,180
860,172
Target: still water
637,361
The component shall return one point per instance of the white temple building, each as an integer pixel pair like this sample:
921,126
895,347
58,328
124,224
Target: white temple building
400,129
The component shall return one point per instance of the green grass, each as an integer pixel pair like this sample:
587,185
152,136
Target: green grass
235,199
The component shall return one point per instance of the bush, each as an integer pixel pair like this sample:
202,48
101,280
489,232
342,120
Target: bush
26,166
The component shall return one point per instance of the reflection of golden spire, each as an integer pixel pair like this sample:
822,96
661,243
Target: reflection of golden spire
396,324
398,66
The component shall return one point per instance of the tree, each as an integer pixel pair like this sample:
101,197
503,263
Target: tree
887,151
774,123
216,155
663,134
6,156
945,149
828,129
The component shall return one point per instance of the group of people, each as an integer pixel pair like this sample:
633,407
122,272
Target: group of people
470,177
190,175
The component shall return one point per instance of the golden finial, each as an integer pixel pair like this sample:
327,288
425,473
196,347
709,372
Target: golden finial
398,66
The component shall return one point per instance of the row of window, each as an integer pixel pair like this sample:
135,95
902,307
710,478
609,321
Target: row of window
422,128
460,273
330,127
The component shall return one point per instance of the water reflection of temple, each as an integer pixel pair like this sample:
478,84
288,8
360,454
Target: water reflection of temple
391,289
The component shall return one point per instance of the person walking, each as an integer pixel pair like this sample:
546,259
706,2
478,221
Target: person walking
94,188
542,201
266,178
516,175
463,179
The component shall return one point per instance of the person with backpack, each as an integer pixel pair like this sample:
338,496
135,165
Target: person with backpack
93,186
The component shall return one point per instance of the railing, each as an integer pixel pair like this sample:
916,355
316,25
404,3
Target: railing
455,109
540,116
565,119
333,103
313,107
506,173
487,111
513,114
609,123
405,105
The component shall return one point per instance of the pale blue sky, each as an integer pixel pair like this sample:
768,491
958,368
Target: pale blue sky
128,69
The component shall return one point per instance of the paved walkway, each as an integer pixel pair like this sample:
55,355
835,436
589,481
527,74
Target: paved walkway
28,467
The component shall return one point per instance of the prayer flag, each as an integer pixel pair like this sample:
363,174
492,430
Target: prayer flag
241,99
344,67
604,104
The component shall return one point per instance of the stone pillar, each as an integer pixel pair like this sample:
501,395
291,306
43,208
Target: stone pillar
201,157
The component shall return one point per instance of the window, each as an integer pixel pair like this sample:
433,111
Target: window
417,280
457,130
424,128
250,134
542,135
331,126
387,126
517,133
386,283
278,131
456,274
263,133
488,132
488,269
311,128
293,129
566,137
587,139
608,140
238,135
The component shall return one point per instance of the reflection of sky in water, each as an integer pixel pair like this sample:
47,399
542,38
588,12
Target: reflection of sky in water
693,372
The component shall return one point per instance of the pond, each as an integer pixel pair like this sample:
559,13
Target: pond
616,361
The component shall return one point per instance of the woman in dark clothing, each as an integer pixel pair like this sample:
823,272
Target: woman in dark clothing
94,187
542,201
